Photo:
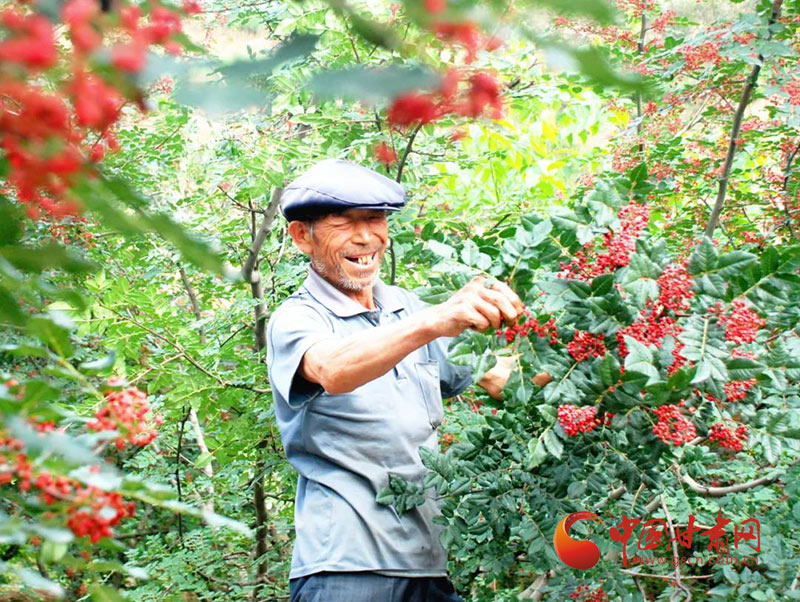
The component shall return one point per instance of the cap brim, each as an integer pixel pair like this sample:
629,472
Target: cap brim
318,211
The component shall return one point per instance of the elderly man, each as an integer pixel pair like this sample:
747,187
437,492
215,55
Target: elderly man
358,370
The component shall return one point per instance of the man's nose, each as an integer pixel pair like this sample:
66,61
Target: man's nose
361,231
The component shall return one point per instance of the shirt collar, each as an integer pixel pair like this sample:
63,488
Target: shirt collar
342,305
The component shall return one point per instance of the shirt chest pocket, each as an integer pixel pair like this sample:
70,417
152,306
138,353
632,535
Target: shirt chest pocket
428,378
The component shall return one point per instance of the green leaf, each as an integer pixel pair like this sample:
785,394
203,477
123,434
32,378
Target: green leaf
54,534
732,263
52,551
49,256
742,368
11,216
104,195
591,61
640,360
602,285
296,47
373,32
103,593
442,250
608,369
25,350
703,259
598,10
217,520
385,496
53,330
541,232
536,453
372,84
100,364
35,581
10,309
704,345
553,445
70,448
217,99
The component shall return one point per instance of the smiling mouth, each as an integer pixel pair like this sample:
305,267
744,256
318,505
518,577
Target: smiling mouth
362,261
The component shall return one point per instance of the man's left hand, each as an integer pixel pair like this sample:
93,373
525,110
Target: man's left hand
496,378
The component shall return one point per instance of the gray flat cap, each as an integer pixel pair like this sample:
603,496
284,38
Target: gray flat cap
333,185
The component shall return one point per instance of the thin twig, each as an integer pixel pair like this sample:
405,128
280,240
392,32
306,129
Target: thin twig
178,473
737,124
404,158
667,577
678,583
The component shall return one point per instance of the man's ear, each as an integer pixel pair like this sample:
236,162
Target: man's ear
300,235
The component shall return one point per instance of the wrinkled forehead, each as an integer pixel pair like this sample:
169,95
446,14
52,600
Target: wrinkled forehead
355,214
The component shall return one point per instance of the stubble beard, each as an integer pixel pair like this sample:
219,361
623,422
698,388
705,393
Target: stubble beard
339,277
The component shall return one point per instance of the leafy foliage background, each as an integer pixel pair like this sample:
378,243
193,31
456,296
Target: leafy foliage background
152,290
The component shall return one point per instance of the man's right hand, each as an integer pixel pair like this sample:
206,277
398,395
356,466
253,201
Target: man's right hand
475,306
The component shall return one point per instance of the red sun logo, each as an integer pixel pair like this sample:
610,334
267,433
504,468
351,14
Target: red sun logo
576,553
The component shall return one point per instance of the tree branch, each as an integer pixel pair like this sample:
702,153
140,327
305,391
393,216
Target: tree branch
184,354
737,124
678,583
722,491
534,591
404,158
178,474
261,235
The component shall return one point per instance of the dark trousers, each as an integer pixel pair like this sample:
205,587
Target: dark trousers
370,587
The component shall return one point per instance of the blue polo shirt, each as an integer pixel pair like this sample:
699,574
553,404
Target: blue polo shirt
345,446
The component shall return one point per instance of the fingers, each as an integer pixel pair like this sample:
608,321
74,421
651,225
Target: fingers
477,321
496,304
503,288
541,379
501,301
488,310
476,284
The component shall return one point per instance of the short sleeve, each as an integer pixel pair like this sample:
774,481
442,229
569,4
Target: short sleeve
453,378
291,331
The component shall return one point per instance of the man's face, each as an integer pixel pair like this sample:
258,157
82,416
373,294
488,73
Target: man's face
347,248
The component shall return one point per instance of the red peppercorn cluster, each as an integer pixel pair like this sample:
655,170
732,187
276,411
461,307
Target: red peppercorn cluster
46,122
125,411
547,330
385,153
461,93
71,231
617,246
742,325
458,95
653,325
575,420
727,438
736,390
675,286
91,511
583,593
585,345
739,352
94,512
699,56
672,426
793,90
649,328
